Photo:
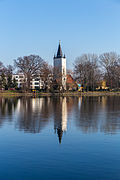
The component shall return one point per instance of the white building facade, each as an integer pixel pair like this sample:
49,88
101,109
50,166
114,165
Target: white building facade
36,83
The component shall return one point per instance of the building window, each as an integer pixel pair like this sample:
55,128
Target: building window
37,79
36,83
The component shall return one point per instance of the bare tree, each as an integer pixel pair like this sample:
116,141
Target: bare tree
110,63
46,75
30,66
86,71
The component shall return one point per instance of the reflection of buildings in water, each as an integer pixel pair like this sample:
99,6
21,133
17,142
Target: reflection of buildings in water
34,104
38,103
33,114
91,114
79,102
60,117
104,101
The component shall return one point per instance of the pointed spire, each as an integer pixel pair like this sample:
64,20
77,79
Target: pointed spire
60,133
59,53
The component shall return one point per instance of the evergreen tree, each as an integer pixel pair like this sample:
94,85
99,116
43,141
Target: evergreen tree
9,81
3,80
14,84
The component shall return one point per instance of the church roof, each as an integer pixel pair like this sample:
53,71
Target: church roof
59,53
60,133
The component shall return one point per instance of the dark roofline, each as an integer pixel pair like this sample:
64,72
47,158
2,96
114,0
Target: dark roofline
59,52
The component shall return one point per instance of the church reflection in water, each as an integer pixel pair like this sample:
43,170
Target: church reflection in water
60,116
89,114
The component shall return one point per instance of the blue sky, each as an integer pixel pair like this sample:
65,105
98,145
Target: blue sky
36,26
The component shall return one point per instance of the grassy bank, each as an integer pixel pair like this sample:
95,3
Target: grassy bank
66,94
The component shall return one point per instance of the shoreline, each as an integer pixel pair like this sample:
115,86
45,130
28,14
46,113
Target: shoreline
67,94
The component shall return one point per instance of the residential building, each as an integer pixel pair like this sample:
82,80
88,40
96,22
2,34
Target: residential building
36,83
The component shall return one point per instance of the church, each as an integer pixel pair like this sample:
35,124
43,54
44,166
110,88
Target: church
59,62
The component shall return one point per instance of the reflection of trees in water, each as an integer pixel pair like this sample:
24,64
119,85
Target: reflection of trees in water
99,113
7,108
86,119
91,114
33,114
112,110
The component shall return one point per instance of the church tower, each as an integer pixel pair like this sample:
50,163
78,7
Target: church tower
60,117
60,67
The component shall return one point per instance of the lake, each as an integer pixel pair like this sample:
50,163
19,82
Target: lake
60,138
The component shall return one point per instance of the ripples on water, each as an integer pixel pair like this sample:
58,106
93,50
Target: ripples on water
60,138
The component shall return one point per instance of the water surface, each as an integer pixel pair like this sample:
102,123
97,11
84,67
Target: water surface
60,138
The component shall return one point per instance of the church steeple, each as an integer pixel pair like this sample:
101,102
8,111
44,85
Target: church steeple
60,133
60,67
59,53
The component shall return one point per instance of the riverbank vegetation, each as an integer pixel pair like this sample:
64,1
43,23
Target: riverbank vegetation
65,94
90,72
